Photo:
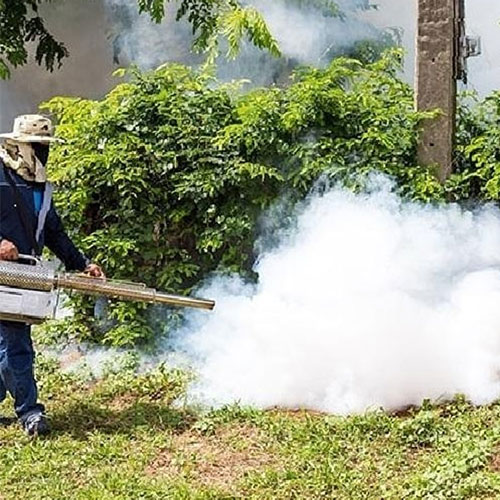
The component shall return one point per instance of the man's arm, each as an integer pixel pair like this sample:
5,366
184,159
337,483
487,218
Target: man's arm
59,242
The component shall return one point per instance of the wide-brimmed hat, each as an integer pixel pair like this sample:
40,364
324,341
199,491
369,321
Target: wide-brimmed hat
32,128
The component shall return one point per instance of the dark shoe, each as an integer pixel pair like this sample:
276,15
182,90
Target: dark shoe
6,421
36,424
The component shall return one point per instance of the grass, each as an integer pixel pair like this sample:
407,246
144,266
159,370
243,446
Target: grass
132,437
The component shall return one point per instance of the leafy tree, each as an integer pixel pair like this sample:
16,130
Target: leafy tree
166,177
211,20
20,23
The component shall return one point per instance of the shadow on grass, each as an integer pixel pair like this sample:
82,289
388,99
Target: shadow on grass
81,418
7,421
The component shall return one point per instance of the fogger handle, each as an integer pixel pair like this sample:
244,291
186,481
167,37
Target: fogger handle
23,258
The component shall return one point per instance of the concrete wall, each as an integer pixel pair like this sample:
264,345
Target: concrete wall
82,25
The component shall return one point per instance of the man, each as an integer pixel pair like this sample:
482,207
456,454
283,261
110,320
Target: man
28,221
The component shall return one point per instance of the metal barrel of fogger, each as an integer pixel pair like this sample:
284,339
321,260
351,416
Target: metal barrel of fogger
43,279
128,291
17,275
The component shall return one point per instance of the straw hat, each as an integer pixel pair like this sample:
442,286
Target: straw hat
32,128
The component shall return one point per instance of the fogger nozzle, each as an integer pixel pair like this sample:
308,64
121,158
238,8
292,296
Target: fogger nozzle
127,291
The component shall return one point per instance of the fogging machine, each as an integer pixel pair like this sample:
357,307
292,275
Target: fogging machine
29,291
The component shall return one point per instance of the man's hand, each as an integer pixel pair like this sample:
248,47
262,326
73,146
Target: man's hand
8,251
94,271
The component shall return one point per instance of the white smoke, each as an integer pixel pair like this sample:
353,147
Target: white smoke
369,302
305,34
401,15
104,34
139,40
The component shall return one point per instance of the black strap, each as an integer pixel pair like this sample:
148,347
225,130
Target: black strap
23,212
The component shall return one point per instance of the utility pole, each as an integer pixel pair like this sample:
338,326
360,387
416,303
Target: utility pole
442,51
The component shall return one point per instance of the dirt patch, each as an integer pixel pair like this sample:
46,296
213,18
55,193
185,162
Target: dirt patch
122,401
494,464
298,414
404,412
219,460
70,359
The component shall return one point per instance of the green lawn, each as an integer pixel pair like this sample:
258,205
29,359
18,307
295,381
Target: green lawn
132,437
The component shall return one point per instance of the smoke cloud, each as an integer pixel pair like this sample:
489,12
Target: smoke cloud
104,34
400,15
367,302
139,40
305,35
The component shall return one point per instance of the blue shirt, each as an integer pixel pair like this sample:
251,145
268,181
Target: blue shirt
38,198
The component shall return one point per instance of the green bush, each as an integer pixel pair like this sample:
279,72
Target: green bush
341,122
164,180
147,191
477,157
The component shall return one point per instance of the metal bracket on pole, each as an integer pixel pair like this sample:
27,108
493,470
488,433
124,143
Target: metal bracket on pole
466,46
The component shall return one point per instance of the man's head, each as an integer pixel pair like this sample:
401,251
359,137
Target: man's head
31,128
27,146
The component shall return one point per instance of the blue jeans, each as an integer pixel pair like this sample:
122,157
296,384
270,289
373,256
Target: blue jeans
16,368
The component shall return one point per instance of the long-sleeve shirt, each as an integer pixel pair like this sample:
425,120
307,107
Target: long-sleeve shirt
46,223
